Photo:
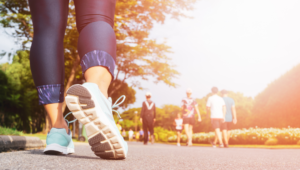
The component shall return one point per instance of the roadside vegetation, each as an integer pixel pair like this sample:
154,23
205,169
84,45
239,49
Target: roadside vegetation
258,136
9,131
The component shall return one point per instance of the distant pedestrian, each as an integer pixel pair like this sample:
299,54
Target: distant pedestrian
124,133
148,115
188,107
149,136
216,106
130,134
230,117
141,135
178,126
119,127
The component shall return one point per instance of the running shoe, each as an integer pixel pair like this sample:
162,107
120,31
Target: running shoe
221,146
94,110
226,146
178,144
59,142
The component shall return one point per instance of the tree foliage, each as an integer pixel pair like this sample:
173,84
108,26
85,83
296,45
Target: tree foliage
278,105
165,116
138,57
19,101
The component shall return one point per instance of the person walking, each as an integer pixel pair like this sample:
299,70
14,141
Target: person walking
230,117
119,127
124,133
141,135
178,126
188,107
216,106
148,115
89,102
130,134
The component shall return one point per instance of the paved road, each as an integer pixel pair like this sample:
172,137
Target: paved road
158,156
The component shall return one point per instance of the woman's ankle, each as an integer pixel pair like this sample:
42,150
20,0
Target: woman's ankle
54,111
61,124
100,76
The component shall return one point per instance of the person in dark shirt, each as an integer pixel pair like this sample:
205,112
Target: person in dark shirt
141,135
148,118
230,117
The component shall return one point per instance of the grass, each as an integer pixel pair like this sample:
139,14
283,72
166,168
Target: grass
39,135
44,137
9,131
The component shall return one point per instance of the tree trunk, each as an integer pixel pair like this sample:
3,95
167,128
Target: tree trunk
71,79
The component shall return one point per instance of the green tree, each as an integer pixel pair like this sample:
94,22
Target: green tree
278,104
244,107
20,101
129,117
165,116
138,56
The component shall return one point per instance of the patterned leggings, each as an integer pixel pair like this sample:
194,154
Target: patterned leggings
96,42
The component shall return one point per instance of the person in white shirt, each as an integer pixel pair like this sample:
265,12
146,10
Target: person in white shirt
216,106
178,126
130,134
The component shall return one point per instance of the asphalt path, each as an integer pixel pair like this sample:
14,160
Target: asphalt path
157,156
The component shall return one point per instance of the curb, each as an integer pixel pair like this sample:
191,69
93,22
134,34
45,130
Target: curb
8,143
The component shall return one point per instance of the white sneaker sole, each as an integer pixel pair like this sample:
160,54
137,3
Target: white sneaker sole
102,137
56,149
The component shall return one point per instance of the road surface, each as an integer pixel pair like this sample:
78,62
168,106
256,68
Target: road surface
157,156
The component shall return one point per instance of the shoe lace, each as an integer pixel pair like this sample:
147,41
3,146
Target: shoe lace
69,121
116,104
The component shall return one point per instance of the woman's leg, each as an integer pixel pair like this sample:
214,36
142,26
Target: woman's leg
187,132
97,41
191,134
49,19
178,136
89,102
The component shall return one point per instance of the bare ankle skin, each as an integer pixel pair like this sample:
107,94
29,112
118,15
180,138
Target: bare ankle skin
100,76
54,110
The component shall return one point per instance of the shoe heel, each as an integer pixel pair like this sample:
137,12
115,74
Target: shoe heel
103,141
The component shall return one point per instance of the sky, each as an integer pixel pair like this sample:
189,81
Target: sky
238,45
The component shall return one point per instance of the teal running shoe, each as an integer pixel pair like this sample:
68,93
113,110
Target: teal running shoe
59,141
94,110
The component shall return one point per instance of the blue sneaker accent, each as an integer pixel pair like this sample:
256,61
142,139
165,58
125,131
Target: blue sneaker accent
92,109
59,141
